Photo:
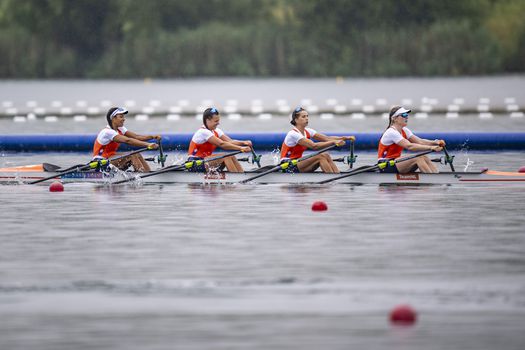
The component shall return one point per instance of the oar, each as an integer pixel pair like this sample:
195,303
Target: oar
381,165
285,165
449,159
256,158
91,165
186,165
350,159
162,159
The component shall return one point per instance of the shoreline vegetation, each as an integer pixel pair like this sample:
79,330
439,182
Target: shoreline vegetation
164,39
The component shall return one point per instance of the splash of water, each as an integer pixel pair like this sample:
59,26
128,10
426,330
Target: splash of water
468,164
275,155
463,149
178,159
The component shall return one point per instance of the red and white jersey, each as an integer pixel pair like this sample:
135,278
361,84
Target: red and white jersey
290,148
104,145
388,145
199,145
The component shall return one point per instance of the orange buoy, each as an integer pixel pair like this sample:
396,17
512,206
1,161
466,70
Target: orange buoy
403,315
319,206
522,170
56,186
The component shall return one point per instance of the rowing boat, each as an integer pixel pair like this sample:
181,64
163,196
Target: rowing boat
20,175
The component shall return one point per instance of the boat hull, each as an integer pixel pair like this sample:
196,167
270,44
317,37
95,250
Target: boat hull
15,177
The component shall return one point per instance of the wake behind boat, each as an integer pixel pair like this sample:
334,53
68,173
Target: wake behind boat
26,174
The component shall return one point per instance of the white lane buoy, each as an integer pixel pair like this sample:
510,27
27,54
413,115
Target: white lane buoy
369,109
265,116
234,116
19,119
483,108
255,109
326,116
80,118
93,110
51,119
148,110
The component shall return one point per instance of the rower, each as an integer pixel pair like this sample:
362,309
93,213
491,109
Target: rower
115,133
300,138
208,138
398,137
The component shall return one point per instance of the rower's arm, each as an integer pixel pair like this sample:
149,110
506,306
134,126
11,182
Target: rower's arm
416,147
214,140
323,137
319,145
226,138
436,142
133,142
133,135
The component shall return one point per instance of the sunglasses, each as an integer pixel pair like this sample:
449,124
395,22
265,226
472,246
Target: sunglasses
214,111
404,115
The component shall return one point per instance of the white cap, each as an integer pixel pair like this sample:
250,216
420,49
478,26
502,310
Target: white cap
119,110
401,111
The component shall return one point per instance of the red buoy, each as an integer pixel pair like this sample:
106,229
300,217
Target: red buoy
56,187
522,170
403,315
319,206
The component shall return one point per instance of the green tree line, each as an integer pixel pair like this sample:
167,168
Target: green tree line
316,38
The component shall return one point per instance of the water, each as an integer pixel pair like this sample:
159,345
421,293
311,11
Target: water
252,267
441,92
236,267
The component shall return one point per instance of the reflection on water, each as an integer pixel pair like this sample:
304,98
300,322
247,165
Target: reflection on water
183,264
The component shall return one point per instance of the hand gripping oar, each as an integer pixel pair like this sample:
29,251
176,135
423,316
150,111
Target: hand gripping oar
449,159
91,165
381,165
186,165
285,165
